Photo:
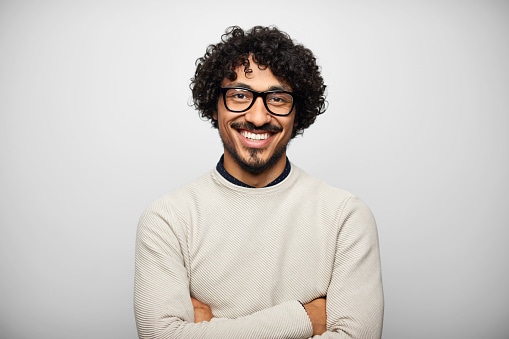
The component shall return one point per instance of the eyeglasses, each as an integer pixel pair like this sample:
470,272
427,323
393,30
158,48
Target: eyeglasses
239,99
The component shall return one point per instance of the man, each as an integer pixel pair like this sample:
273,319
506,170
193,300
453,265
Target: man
257,248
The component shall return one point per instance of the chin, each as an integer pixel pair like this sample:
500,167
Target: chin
257,165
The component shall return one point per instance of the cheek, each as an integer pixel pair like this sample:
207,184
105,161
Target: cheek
292,124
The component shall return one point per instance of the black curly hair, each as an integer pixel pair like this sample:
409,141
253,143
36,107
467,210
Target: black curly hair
270,48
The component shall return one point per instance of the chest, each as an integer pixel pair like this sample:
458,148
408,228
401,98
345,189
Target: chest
242,262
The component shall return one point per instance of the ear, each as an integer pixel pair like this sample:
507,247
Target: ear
214,115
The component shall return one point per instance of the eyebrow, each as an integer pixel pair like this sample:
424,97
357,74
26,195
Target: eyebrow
271,88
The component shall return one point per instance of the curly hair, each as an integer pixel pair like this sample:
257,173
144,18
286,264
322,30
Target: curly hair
270,48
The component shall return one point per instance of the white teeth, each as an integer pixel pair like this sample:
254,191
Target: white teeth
254,136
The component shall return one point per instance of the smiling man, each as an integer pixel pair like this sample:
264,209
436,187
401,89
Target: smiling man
257,248
254,141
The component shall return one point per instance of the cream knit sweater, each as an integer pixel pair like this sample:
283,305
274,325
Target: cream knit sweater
252,254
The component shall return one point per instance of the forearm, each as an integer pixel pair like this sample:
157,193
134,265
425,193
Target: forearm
286,320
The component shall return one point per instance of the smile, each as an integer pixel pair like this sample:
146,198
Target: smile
255,136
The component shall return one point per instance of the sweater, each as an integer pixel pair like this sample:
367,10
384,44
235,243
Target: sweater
255,255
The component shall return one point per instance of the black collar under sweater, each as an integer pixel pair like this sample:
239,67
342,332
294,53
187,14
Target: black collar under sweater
220,168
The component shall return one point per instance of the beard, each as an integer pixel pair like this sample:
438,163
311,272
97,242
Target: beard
254,164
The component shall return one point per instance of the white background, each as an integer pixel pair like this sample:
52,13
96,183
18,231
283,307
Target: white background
95,124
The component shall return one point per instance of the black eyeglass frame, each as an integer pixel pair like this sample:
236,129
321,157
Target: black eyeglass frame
257,94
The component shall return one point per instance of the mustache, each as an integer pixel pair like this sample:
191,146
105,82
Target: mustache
251,127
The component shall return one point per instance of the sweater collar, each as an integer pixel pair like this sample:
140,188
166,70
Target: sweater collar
224,173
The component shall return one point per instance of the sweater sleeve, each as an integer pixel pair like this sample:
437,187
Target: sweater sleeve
162,302
355,295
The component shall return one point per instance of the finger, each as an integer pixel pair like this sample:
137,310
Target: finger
197,303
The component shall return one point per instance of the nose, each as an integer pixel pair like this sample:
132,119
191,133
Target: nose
258,114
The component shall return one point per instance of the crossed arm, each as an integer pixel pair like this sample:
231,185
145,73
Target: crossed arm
315,310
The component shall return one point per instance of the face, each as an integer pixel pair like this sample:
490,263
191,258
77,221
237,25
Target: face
254,141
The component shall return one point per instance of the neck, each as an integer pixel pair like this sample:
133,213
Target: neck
257,180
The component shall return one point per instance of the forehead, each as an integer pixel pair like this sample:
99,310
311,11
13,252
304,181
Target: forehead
257,78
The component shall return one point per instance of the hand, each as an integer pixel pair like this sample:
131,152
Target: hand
317,315
202,312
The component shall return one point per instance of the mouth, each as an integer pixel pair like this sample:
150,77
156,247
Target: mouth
255,139
254,136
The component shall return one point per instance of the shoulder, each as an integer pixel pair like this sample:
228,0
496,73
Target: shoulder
318,186
183,195
327,195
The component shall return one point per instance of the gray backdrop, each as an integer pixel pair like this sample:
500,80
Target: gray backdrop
95,124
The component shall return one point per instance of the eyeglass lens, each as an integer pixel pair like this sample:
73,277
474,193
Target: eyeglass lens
238,100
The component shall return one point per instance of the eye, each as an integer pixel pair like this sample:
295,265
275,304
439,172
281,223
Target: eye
279,98
238,95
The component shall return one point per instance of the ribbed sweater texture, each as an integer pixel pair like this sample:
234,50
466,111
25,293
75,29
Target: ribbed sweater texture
254,255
